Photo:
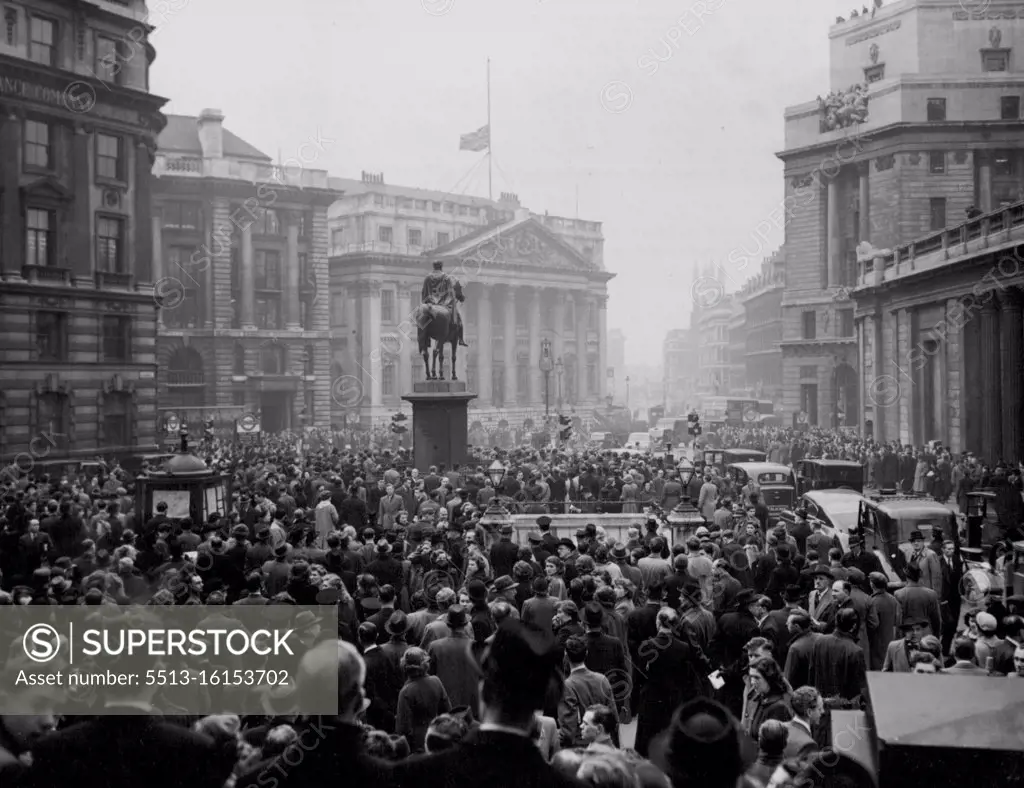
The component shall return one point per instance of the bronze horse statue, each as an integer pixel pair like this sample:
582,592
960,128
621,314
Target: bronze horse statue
434,322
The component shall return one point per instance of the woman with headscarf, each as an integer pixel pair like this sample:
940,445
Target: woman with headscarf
769,695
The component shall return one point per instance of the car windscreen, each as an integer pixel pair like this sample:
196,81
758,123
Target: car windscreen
843,510
926,523
842,475
770,477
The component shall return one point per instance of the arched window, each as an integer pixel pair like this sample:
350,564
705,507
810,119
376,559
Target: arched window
238,366
272,359
185,368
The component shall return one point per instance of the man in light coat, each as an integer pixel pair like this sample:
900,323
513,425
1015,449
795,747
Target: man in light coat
708,499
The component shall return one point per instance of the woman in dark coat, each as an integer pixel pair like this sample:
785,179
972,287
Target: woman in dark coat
422,698
674,671
769,696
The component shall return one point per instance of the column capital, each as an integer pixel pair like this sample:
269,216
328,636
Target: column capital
991,304
602,300
1013,299
863,168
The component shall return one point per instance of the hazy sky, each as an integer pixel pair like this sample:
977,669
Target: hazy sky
675,157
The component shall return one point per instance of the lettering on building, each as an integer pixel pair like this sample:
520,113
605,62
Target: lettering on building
9,86
982,16
874,32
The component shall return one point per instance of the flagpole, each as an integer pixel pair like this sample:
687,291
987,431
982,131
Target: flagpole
490,137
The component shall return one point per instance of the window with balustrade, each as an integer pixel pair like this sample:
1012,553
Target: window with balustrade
387,306
185,368
388,379
40,225
385,234
52,417
110,249
415,236
117,419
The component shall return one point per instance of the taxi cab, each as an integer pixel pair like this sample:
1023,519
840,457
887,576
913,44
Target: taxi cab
829,475
721,458
777,483
886,522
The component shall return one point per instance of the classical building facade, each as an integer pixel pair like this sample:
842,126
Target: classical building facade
78,131
616,384
761,297
935,131
680,355
710,323
737,348
240,245
942,338
527,278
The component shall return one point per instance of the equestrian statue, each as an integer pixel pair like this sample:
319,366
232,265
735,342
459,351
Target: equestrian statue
438,319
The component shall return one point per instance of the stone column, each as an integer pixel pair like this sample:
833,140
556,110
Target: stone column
484,345
533,321
832,229
78,252
511,398
10,168
292,320
143,266
407,338
368,294
1011,358
955,368
247,280
864,230
984,182
156,220
582,313
602,338
558,340
991,429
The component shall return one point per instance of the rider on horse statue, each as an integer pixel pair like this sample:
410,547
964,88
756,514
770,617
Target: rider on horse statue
444,290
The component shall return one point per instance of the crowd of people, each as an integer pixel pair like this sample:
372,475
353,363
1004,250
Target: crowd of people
470,654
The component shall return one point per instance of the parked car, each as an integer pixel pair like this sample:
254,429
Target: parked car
829,475
838,512
777,483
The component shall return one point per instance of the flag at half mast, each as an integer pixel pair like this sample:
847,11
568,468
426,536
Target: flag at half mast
476,141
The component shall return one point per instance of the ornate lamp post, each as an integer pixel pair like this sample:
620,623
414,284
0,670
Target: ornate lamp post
685,515
546,365
495,514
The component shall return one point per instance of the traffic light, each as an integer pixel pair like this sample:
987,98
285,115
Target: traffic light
564,428
396,423
694,421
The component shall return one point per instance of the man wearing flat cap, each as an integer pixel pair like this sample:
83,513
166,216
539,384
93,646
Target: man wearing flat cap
518,668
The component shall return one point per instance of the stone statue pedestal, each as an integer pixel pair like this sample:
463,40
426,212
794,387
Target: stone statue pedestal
440,422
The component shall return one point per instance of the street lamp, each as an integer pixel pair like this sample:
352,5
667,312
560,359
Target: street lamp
559,370
546,365
685,514
627,391
495,514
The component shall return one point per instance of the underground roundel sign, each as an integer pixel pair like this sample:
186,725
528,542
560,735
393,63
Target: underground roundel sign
247,422
173,423
802,418
751,415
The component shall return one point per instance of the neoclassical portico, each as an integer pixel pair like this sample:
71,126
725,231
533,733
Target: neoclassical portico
523,286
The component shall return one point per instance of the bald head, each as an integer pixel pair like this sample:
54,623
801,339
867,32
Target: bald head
334,662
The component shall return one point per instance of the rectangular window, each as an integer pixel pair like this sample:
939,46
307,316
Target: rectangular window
1003,164
937,213
267,270
268,224
42,40
384,234
936,109
435,207
442,239
267,313
415,237
810,325
109,62
117,341
808,372
337,239
109,157
110,251
1009,107
181,215
387,306
995,60
809,402
846,323
306,224
937,162
39,249
388,381
51,336
448,207
116,420
421,205
378,200
38,147
874,73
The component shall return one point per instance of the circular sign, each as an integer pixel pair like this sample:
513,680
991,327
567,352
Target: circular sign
173,423
751,415
247,422
802,418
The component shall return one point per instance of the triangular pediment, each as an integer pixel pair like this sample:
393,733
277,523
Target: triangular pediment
522,243
47,188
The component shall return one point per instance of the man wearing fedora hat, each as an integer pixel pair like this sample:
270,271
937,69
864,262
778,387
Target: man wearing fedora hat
820,601
898,653
504,552
918,601
277,571
451,660
385,567
838,664
773,626
735,628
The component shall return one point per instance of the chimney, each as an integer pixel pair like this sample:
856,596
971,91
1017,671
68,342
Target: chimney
211,133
